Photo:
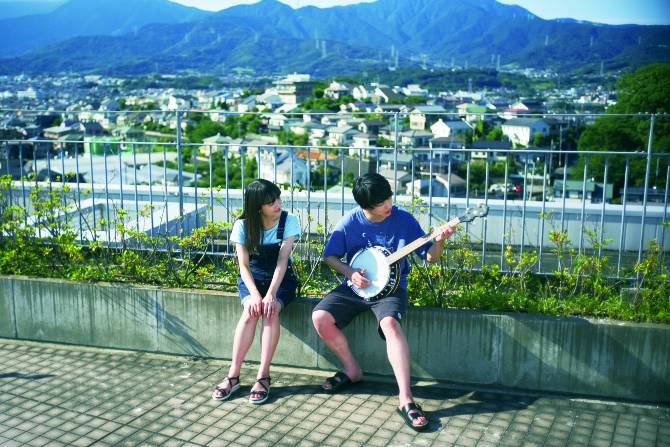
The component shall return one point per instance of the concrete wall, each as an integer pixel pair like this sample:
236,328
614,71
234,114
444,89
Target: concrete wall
569,355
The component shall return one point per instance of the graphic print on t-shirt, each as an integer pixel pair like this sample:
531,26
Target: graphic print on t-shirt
386,240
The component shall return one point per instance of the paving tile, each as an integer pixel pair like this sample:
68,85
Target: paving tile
106,398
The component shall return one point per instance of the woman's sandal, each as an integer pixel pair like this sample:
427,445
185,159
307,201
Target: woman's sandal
262,394
221,393
411,411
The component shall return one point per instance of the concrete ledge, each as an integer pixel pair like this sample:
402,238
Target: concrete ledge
7,321
568,355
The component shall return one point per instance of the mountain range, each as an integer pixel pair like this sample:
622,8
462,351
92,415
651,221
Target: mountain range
86,18
16,8
269,37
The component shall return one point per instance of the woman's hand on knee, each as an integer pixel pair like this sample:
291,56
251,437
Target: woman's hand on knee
271,306
255,307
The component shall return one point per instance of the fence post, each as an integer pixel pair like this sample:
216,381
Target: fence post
646,186
180,172
395,158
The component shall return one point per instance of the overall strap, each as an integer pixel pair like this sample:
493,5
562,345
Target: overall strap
282,225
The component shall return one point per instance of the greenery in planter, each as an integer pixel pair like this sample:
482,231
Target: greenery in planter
584,284
46,245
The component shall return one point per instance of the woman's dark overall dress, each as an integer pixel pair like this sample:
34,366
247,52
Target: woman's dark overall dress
262,265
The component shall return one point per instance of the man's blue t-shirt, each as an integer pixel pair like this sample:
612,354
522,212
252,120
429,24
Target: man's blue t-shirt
354,231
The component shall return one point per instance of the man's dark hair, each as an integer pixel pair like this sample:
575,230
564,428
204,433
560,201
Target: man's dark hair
371,190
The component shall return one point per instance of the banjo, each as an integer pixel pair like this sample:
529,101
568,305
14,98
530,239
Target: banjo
382,268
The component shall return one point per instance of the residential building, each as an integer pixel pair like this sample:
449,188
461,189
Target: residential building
415,138
337,90
385,95
449,129
521,131
363,141
440,185
246,104
295,88
340,136
591,191
414,90
371,126
361,93
472,112
56,132
490,149
419,115
179,102
288,167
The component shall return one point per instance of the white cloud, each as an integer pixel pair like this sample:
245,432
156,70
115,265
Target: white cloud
217,5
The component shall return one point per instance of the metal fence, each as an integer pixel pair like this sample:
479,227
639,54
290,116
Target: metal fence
607,202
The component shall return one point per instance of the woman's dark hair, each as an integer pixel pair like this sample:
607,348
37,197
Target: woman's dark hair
370,190
258,193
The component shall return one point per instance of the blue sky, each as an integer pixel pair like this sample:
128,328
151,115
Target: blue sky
646,12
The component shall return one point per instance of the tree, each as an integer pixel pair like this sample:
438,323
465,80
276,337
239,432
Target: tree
482,128
495,134
204,128
644,92
318,174
291,138
539,140
234,171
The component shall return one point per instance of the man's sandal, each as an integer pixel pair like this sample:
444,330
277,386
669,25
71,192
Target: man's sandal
337,383
258,397
221,393
411,411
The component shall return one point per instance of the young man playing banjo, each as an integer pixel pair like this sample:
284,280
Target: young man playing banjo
375,223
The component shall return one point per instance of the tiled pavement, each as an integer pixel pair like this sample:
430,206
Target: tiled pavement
65,395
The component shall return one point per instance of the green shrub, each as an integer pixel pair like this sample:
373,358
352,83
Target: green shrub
585,284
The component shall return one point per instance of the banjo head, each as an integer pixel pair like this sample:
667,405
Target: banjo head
377,270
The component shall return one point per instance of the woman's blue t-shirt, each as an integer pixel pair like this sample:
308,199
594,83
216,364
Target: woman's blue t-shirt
354,232
291,228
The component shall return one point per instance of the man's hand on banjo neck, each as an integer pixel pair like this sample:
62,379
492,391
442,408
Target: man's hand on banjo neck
444,232
441,234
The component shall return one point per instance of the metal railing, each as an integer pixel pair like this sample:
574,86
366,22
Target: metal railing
176,186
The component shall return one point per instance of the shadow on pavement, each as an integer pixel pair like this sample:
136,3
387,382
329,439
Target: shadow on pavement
17,375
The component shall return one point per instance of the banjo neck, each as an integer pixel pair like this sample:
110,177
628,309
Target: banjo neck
409,248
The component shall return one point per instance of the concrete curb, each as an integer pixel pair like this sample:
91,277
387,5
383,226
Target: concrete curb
566,355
